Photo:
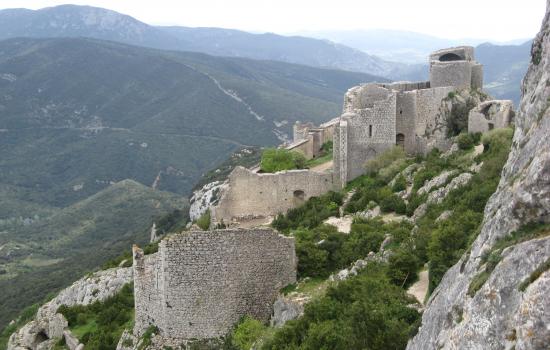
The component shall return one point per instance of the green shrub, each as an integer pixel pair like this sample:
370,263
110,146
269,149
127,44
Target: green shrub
311,214
101,323
247,332
403,265
465,141
400,184
385,159
204,221
363,312
278,159
393,203
458,118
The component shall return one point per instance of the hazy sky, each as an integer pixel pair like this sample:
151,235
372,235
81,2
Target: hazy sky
500,20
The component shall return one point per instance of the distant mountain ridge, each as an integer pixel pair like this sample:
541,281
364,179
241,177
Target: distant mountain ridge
98,23
398,45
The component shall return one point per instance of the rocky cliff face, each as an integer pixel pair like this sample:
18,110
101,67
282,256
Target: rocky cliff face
503,313
48,325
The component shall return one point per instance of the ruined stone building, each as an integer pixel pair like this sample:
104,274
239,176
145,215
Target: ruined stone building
491,115
378,116
308,139
199,284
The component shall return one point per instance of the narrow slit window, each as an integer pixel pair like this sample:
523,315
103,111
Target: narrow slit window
370,130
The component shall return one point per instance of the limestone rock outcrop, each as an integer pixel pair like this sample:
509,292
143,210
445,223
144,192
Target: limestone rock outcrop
500,315
48,325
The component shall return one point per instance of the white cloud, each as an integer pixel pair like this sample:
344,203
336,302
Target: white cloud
491,19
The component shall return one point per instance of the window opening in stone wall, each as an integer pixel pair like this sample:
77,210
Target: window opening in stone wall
450,57
400,140
491,126
370,130
299,196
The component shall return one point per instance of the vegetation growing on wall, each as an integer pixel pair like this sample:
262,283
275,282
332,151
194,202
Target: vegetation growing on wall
279,159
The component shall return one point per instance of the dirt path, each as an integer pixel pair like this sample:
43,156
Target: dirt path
420,288
321,168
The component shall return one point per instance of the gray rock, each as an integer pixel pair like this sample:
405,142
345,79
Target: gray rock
439,195
71,341
370,214
127,341
499,316
49,325
437,181
444,216
286,309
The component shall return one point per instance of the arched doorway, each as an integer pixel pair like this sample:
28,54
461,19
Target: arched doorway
299,197
400,140
450,57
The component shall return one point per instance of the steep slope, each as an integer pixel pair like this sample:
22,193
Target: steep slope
496,296
98,23
83,113
42,257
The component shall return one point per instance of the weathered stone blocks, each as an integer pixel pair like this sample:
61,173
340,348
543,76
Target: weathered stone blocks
199,284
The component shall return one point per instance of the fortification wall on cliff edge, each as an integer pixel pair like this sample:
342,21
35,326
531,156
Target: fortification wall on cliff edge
200,284
253,195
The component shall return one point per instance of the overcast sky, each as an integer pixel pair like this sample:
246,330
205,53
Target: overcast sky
499,20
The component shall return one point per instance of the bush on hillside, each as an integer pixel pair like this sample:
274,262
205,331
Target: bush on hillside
101,322
363,312
204,221
311,214
393,203
400,184
385,159
247,332
465,141
278,159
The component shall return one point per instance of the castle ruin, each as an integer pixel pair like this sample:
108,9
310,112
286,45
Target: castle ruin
378,116
199,284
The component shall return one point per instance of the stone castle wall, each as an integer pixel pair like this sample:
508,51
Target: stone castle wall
367,133
406,112
457,74
251,195
148,287
494,114
200,284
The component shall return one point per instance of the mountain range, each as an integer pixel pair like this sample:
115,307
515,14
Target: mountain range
98,23
396,55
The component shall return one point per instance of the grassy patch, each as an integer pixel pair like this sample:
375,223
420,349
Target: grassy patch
278,159
535,275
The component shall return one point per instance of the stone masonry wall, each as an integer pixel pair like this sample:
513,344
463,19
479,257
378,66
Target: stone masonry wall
148,287
209,280
251,195
457,74
405,119
370,131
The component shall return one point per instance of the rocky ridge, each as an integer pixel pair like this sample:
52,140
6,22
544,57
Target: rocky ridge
500,315
48,326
